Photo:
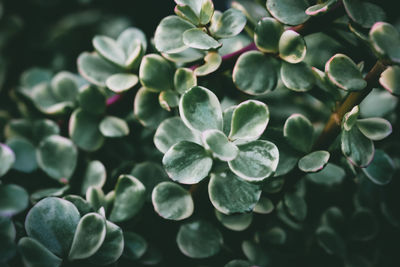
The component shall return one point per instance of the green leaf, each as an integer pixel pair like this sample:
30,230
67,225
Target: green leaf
48,192
89,236
255,73
168,35
45,101
206,12
227,118
329,176
292,47
378,103
364,225
44,128
94,175
197,38
156,73
129,198
229,194
81,204
381,169
314,161
321,8
364,13
7,241
276,236
7,159
267,34
199,239
350,118
13,200
25,154
231,23
295,206
52,222
64,86
299,132
288,11
109,50
249,120
390,80
254,11
135,245
217,142
187,13
374,128
386,40
95,197
255,253
200,109
147,108
92,99
84,130
212,61
112,126
344,73
298,77
121,82
256,161
57,156
34,76
264,206
330,241
187,162
235,222
130,39
184,79
172,202
168,99
357,148
34,254
195,5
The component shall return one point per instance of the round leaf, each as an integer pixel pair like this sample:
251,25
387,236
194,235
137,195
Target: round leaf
264,206
357,148
112,126
168,99
235,222
386,40
95,175
299,132
390,80
25,154
314,161
296,206
298,77
7,159
364,13
65,86
13,200
35,254
375,128
329,176
197,38
231,23
292,47
288,11
217,142
350,118
109,49
121,82
381,169
184,79
135,245
156,73
92,99
212,61
267,34
363,225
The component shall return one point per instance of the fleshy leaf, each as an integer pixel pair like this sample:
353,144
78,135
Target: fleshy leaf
322,8
92,99
235,222
295,206
264,206
330,241
314,161
364,225
212,61
7,159
267,34
217,142
168,99
254,11
109,49
329,176
197,38
231,23
299,132
184,79
350,118
357,148
25,154
288,11
390,80
121,82
386,40
292,47
364,13
187,13
128,38
298,77
65,86
381,169
156,73
206,12
13,200
135,245
112,126
34,254
375,128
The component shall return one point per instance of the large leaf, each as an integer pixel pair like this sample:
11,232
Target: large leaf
386,40
231,23
299,132
13,200
218,143
267,35
288,11
364,13
7,159
292,47
357,148
381,169
34,254
156,73
375,128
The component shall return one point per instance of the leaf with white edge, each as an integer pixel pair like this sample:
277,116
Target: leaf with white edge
45,101
128,39
89,236
329,176
112,126
249,120
386,40
195,5
57,156
7,159
275,235
381,169
84,130
330,241
34,254
25,154
186,56
121,82
206,12
199,239
320,9
255,73
95,69
267,34
184,79
298,77
95,197
299,132
295,206
390,80
229,194
235,222
95,175
172,131
197,38
200,109
264,206
212,61
315,161
135,246
292,47
227,117
147,108
109,50
48,192
168,99
168,35
65,86
254,11
357,148
231,23
156,73
129,198
350,118
374,128
13,200
92,99
80,203
256,161
364,13
172,202
218,143
187,13
288,11
187,162
44,128
52,222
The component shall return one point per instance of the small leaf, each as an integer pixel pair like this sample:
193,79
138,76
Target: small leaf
298,77
322,8
95,197
65,86
195,5
330,241
364,13
229,194
34,254
92,99
13,200
357,148
187,162
329,176
390,80
350,118
197,38
121,82
172,202
374,128
135,246
314,161
212,61
168,99
276,236
381,169
7,159
287,11
299,132
156,73
45,101
187,13
264,206
227,117
267,34
44,128
292,47
112,126
386,40
235,222
199,239
200,109
25,154
129,198
231,23
89,236
254,11
184,79
81,204
296,206
217,142
128,40
206,12
256,161
255,73
109,49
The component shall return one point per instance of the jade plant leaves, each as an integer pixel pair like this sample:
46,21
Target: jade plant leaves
256,161
187,162
350,118
172,202
235,222
321,8
296,206
330,241
156,73
254,11
314,161
230,194
212,61
386,40
112,126
298,77
287,11
135,246
381,169
7,159
357,148
374,128
57,156
205,114
187,13
65,86
264,206
292,47
121,82
299,132
89,236
218,143
249,120
330,175
52,222
364,13
184,79
231,23
267,34
25,154
197,38
13,200
199,239
129,198
363,225
255,73
109,49
390,80
34,254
